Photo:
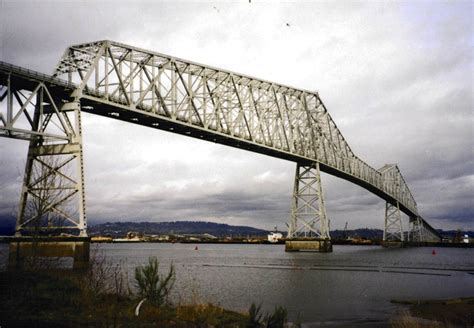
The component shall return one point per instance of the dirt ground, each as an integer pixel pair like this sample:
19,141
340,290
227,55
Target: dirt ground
461,314
448,313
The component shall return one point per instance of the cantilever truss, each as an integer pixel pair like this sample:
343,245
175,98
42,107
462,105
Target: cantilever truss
164,92
160,91
308,214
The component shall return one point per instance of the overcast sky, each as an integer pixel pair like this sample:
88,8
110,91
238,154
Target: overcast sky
397,79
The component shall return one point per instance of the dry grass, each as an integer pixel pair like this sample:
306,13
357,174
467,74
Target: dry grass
405,320
209,315
62,298
100,297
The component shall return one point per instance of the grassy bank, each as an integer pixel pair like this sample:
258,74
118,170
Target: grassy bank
437,313
41,295
101,297
61,298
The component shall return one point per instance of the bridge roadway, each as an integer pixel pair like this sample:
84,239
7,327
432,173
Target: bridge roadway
97,98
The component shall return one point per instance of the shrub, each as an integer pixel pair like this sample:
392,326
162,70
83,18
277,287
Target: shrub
255,317
153,286
102,277
277,319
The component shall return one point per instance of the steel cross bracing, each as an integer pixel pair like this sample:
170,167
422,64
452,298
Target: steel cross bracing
155,90
416,232
308,214
393,223
52,197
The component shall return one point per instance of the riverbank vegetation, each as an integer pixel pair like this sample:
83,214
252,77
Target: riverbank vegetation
436,313
102,297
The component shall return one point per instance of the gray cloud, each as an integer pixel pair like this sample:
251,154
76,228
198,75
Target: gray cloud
395,77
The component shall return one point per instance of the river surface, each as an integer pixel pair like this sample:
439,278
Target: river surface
352,286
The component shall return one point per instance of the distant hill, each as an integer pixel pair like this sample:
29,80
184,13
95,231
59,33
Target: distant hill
120,229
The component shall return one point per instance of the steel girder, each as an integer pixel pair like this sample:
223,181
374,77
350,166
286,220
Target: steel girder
308,213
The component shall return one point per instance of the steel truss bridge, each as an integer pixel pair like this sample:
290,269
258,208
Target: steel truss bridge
163,92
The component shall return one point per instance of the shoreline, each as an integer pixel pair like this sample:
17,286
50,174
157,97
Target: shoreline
8,239
457,311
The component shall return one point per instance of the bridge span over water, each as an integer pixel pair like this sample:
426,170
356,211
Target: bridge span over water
163,92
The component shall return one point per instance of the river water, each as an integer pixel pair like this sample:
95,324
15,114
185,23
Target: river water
352,286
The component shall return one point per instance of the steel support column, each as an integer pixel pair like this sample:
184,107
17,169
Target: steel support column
416,230
308,214
52,198
393,230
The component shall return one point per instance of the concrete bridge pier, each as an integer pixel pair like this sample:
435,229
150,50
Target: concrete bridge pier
393,244
23,249
308,245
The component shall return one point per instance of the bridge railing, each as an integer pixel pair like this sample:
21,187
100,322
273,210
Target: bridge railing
45,78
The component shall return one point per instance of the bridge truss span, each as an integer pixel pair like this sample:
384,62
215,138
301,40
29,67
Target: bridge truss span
168,93
251,111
